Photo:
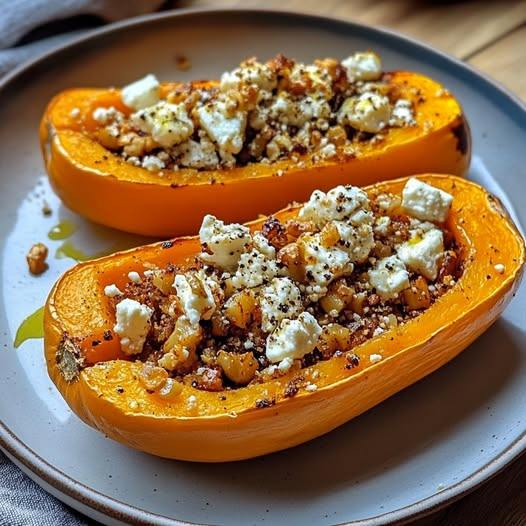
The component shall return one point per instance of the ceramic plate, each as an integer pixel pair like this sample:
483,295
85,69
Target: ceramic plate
422,448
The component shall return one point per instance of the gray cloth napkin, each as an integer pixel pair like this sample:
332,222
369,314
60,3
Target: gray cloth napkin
24,503
28,28
40,20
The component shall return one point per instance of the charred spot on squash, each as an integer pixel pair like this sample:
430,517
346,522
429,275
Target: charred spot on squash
69,359
463,136
496,204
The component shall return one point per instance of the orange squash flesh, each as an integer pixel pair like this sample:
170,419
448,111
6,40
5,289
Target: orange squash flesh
102,187
227,425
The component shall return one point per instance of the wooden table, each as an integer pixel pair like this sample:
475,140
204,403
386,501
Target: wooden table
492,37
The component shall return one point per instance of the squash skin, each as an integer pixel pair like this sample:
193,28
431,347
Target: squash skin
220,430
102,187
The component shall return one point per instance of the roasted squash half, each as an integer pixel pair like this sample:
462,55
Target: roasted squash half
102,187
107,395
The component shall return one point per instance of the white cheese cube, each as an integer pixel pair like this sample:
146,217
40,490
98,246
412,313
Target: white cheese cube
197,154
254,269
425,202
296,113
363,66
389,277
402,114
422,254
106,115
134,277
323,264
280,299
141,93
315,79
112,291
225,129
132,325
252,73
338,204
369,112
356,241
195,295
223,244
168,124
262,245
381,226
152,163
293,338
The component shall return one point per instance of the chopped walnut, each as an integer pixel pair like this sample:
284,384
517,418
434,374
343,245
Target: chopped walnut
36,259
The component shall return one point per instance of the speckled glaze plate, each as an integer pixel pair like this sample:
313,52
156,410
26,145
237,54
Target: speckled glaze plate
422,448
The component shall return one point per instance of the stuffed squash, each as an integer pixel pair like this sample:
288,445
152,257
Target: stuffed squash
155,158
250,339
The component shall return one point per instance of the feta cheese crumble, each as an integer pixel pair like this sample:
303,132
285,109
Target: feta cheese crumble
500,268
195,154
254,269
363,66
227,130
111,291
141,93
402,114
293,338
369,112
223,244
105,115
280,299
422,254
152,163
425,202
134,277
132,324
196,296
168,124
389,277
337,204
324,264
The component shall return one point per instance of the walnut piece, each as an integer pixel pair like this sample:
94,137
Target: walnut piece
36,259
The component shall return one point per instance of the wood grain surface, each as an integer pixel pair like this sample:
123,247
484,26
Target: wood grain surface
491,35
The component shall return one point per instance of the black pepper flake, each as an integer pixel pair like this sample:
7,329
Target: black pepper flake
293,387
167,244
108,336
261,403
352,361
94,343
